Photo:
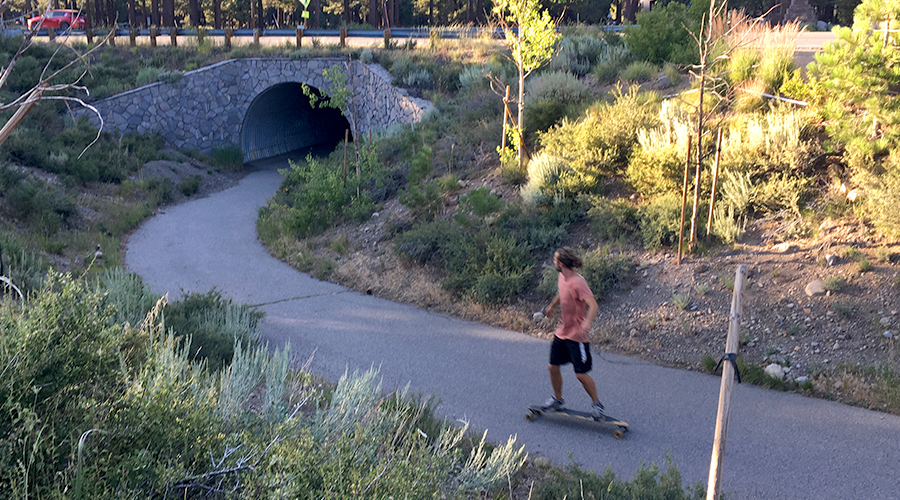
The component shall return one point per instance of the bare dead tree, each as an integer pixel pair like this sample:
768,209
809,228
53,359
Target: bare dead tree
46,88
717,40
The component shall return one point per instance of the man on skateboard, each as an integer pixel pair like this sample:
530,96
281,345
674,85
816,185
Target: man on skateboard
571,343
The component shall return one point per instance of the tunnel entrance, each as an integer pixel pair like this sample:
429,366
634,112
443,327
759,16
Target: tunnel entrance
281,120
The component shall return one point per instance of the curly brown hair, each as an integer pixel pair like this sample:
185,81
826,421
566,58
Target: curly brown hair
568,258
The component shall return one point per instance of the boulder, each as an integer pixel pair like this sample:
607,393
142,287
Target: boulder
815,288
775,370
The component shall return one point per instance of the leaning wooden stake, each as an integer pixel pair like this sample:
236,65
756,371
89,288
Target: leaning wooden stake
505,120
687,169
715,184
728,371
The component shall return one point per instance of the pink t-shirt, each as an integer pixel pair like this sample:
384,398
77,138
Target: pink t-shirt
572,295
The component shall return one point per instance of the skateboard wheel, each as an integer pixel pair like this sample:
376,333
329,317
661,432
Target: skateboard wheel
529,417
618,433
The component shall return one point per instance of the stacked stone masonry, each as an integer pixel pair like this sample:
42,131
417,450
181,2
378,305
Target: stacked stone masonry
204,110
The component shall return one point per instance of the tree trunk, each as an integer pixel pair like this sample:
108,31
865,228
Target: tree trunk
217,14
195,12
260,16
373,13
168,13
154,13
521,116
132,14
346,16
317,10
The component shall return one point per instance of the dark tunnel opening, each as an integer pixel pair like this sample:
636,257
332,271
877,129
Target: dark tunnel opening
280,120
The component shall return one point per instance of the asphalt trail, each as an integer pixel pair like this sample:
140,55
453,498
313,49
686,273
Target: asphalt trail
779,445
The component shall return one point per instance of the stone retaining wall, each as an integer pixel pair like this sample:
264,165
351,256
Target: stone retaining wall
205,109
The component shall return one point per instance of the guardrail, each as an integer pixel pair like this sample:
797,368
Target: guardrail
398,33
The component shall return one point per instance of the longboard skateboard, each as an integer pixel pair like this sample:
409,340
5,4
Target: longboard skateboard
621,427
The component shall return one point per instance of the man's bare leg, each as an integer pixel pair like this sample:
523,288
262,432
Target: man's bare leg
556,381
587,382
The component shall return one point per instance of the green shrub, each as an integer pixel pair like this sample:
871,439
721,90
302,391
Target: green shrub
190,185
480,203
640,72
557,86
214,325
544,172
664,33
147,75
648,482
599,144
659,220
658,165
612,219
581,50
229,158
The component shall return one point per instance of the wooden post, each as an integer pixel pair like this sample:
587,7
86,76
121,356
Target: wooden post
343,37
132,37
715,183
299,37
173,36
346,145
51,34
112,37
687,168
201,35
229,32
89,35
387,38
257,33
731,345
696,208
154,32
505,119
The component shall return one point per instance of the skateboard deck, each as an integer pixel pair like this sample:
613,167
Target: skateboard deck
621,426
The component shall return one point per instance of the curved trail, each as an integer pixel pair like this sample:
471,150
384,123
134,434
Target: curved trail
779,445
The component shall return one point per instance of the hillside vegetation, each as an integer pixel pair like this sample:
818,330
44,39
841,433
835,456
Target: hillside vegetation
805,196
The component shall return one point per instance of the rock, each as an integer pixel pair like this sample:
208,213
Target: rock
821,26
802,380
701,268
830,259
663,82
784,247
537,317
888,335
885,321
541,462
815,288
775,370
376,214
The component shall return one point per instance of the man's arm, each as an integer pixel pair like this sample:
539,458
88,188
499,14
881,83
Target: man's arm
592,311
549,310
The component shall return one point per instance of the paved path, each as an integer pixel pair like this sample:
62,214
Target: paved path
779,445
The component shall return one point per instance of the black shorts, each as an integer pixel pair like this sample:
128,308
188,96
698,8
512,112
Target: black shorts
568,351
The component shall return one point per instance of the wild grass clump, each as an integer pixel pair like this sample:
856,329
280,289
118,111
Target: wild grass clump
580,51
544,171
658,165
648,482
213,325
640,71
